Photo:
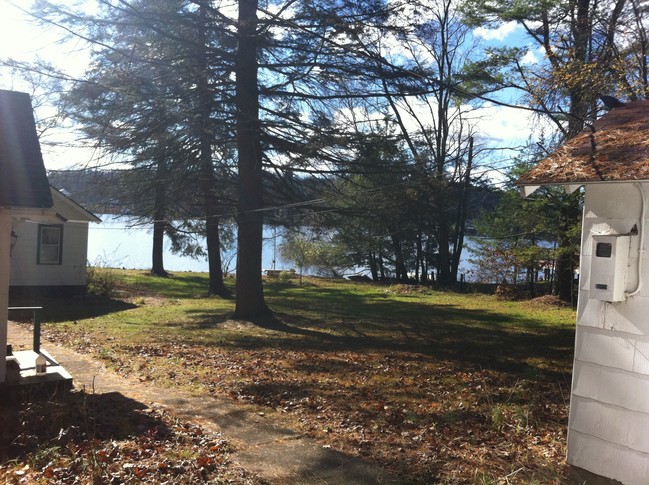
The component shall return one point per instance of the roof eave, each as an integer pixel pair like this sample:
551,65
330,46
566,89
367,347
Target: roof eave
82,214
34,214
528,188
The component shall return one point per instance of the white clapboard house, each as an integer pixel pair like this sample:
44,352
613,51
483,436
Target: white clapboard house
608,429
25,199
24,190
50,252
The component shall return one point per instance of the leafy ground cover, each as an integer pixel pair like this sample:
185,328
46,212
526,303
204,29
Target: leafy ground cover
108,439
437,387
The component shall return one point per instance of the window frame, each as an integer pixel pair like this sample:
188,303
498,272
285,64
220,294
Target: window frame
39,255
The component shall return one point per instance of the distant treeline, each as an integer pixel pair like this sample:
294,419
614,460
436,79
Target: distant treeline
100,191
93,189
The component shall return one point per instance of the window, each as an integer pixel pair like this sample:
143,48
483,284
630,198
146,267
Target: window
50,243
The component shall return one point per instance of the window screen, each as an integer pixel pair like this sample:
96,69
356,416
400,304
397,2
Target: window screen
50,240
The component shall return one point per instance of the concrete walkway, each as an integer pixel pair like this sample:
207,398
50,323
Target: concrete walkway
266,443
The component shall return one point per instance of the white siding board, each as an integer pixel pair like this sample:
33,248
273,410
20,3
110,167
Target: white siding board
596,419
584,274
590,313
617,350
630,391
644,287
27,272
611,386
586,380
638,438
609,411
605,348
641,357
611,423
625,225
607,459
629,316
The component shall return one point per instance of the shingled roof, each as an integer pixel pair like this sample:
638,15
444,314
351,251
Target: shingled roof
23,180
615,148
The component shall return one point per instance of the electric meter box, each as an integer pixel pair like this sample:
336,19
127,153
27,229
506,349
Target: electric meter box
609,266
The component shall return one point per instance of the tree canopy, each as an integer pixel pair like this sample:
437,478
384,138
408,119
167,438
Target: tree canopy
357,120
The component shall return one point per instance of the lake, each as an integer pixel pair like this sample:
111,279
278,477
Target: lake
113,243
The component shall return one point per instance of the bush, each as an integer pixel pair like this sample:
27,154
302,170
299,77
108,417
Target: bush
101,280
286,276
510,292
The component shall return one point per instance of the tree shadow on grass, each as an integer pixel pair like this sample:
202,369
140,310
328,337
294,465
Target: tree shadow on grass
477,338
66,309
34,423
106,438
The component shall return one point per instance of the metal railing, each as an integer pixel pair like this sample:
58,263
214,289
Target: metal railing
35,321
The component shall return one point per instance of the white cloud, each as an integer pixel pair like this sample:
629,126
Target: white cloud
504,125
499,34
533,57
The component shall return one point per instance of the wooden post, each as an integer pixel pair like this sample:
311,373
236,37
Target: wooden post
37,333
5,264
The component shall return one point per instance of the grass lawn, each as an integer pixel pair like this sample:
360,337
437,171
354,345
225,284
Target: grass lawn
437,387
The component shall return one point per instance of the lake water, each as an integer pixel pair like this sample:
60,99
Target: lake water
113,243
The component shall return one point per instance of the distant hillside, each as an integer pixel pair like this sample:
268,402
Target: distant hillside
96,190
100,191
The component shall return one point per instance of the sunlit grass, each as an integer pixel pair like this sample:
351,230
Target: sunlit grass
368,368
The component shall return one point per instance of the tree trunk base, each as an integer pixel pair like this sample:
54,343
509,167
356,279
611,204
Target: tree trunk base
264,318
221,292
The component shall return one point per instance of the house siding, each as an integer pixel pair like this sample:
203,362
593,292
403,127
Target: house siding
25,270
608,430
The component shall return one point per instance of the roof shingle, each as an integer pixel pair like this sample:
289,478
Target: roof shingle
615,148
23,180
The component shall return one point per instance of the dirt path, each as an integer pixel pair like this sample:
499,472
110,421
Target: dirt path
267,443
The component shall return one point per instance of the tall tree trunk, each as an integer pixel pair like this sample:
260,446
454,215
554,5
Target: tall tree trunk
567,258
531,282
159,220
444,256
213,243
157,258
373,266
208,186
250,302
418,253
421,258
564,276
400,267
462,214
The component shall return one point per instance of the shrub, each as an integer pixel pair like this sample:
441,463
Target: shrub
286,276
101,280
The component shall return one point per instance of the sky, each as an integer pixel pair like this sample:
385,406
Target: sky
22,39
17,38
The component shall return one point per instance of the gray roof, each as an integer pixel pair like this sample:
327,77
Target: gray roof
614,149
23,180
